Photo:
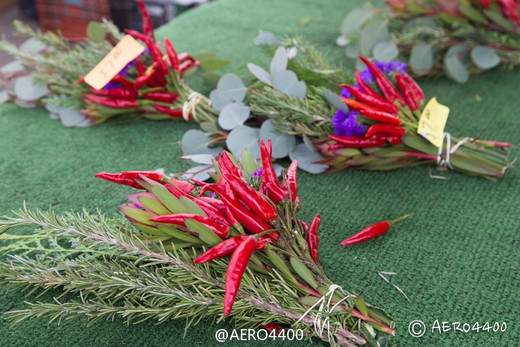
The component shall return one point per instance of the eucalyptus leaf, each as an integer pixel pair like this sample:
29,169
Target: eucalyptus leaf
208,127
485,57
197,142
308,143
230,86
282,144
421,59
354,21
217,102
385,51
199,172
32,45
307,159
26,90
342,41
260,73
291,52
373,33
459,51
53,108
352,51
334,99
456,69
287,82
200,158
96,32
265,38
12,67
233,115
71,117
279,61
244,137
4,96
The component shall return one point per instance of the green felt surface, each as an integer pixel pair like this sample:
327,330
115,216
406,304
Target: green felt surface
457,258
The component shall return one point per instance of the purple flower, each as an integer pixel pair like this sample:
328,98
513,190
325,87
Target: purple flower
346,124
257,173
391,66
366,75
112,85
345,93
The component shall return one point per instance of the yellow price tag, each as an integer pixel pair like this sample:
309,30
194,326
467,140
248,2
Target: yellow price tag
124,52
432,122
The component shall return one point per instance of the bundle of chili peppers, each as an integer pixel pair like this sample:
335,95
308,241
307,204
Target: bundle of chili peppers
380,132
250,216
151,86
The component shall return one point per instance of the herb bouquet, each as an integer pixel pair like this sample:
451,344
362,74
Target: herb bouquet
235,248
452,37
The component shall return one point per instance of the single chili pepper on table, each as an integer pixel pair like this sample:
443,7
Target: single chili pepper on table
372,231
221,230
386,86
395,130
381,116
358,141
313,239
235,271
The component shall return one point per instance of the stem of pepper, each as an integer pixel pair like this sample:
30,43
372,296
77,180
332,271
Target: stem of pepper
393,221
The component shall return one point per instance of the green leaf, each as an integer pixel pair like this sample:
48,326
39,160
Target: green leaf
373,33
96,32
385,51
307,159
200,158
497,18
210,78
420,144
170,231
485,57
361,305
153,205
210,62
233,115
279,61
280,265
137,214
192,207
217,102
354,21
231,87
208,127
26,90
151,231
303,272
244,137
334,99
32,45
205,234
456,69
282,143
168,199
287,82
12,67
248,163
421,59
472,14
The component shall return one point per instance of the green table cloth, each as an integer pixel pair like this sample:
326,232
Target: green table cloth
457,258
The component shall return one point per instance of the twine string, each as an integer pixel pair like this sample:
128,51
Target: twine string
189,108
445,152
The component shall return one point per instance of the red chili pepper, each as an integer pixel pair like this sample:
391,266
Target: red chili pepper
221,230
409,96
364,86
392,140
251,198
118,93
186,187
396,130
289,183
127,178
226,165
162,96
313,239
110,101
269,184
235,271
220,207
277,328
415,88
357,105
372,231
386,86
189,64
145,79
154,50
137,35
381,116
358,141
123,81
172,55
225,248
141,69
381,104
247,218
166,110
147,21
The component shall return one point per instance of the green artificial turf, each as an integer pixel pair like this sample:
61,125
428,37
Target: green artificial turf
457,258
